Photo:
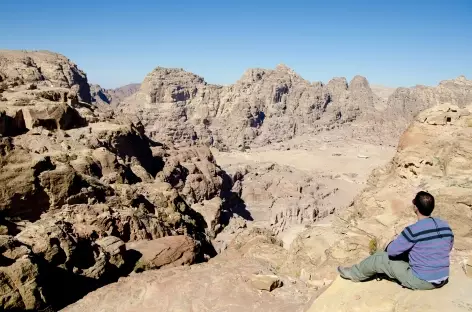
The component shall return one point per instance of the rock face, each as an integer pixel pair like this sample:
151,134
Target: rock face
281,195
263,106
112,96
405,103
19,276
267,106
77,184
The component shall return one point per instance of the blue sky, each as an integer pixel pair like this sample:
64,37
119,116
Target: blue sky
394,43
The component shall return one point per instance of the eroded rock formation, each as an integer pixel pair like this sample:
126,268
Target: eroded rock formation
78,183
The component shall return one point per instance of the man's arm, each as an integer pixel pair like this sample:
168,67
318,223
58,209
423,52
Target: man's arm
401,244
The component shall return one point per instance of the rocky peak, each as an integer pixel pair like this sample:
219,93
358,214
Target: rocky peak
337,87
359,83
252,75
283,68
176,76
461,80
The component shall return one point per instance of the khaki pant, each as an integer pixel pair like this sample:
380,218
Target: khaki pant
380,263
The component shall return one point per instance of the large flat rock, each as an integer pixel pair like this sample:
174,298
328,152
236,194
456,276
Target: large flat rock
385,296
223,286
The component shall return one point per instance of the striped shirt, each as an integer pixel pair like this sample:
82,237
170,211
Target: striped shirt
428,243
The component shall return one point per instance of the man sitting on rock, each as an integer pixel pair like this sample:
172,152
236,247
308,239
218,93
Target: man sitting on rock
426,245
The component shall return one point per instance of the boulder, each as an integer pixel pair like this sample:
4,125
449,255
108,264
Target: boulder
115,248
43,68
266,282
52,117
164,252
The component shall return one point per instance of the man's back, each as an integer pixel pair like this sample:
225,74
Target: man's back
429,242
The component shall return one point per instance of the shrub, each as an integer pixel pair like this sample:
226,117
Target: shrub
3,86
373,246
22,102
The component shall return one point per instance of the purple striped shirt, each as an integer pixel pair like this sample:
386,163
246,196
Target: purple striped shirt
428,243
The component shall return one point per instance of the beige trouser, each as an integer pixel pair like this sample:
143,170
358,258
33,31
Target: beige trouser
380,263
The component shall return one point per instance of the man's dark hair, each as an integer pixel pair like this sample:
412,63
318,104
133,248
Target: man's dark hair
424,202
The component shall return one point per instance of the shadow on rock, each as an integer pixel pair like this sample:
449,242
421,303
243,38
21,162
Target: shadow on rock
233,203
62,287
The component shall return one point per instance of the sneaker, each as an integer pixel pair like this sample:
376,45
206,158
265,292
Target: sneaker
345,272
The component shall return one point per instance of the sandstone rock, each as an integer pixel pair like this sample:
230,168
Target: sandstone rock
20,192
280,195
45,69
116,249
344,295
266,282
203,287
267,106
12,125
20,287
164,252
52,117
194,172
211,212
60,184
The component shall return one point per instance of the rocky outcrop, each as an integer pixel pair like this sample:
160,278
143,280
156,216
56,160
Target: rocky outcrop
281,195
43,68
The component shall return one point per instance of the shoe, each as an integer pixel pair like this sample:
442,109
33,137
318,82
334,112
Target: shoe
345,272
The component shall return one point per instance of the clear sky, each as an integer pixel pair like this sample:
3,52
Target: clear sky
391,42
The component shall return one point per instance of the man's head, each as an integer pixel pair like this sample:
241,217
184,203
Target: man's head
424,203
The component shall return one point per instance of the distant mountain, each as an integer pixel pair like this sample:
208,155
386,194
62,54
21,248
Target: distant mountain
112,96
382,91
273,105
